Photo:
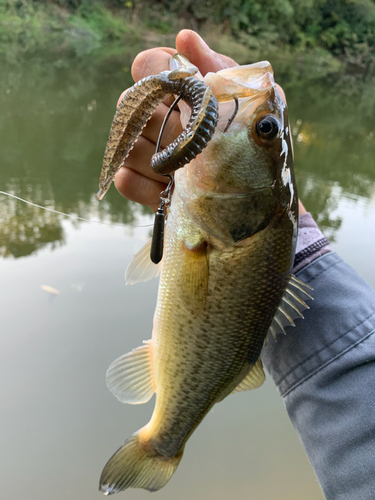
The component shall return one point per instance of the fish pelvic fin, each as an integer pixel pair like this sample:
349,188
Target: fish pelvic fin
130,377
137,465
141,267
291,306
253,379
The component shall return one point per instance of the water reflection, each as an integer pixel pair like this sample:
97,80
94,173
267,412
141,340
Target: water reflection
25,229
53,127
55,120
334,138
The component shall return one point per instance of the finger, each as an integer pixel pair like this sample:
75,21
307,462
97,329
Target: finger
188,43
140,159
140,156
281,92
137,187
172,127
151,62
192,46
156,60
302,209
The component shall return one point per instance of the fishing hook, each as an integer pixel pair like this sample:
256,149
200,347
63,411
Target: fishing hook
230,121
166,118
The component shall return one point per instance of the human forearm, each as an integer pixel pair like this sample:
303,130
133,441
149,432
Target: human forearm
325,371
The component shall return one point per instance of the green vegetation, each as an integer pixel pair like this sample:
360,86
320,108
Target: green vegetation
79,27
345,28
319,32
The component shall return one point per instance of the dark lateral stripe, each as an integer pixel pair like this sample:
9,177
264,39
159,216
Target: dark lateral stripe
310,250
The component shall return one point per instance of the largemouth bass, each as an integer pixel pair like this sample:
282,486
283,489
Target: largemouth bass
225,282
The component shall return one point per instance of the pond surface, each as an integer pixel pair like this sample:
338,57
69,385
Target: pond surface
60,424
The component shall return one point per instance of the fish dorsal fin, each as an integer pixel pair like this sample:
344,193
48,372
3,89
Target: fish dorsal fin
130,377
141,267
291,306
253,379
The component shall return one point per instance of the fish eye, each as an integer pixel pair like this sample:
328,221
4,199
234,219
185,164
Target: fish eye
267,127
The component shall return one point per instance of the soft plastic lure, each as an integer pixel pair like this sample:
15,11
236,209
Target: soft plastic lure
137,107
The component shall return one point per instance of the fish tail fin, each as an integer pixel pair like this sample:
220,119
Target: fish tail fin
137,466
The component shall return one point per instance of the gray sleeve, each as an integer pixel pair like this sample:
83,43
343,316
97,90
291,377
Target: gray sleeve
324,368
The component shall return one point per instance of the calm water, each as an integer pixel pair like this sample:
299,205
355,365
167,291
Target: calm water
59,423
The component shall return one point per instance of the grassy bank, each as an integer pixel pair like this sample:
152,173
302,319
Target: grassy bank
114,27
27,27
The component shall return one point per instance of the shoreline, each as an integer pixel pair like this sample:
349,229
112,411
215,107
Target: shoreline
107,33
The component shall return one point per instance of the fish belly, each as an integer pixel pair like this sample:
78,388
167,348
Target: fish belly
214,309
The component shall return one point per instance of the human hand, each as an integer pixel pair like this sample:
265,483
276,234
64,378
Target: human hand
136,180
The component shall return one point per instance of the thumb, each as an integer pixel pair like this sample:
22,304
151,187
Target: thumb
192,46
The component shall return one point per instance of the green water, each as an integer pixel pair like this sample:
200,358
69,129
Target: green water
59,422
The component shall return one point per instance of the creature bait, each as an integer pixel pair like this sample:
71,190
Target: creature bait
137,107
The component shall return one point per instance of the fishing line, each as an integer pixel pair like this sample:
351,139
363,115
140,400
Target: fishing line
67,215
97,221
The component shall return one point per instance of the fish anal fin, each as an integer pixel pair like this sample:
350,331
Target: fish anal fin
130,377
142,268
291,305
253,379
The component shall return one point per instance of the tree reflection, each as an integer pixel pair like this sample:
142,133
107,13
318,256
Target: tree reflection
334,142
55,119
25,230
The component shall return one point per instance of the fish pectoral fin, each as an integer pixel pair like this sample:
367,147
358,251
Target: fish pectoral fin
193,277
253,379
291,305
130,377
141,267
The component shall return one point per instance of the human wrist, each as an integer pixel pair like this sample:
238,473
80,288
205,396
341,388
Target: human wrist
311,243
